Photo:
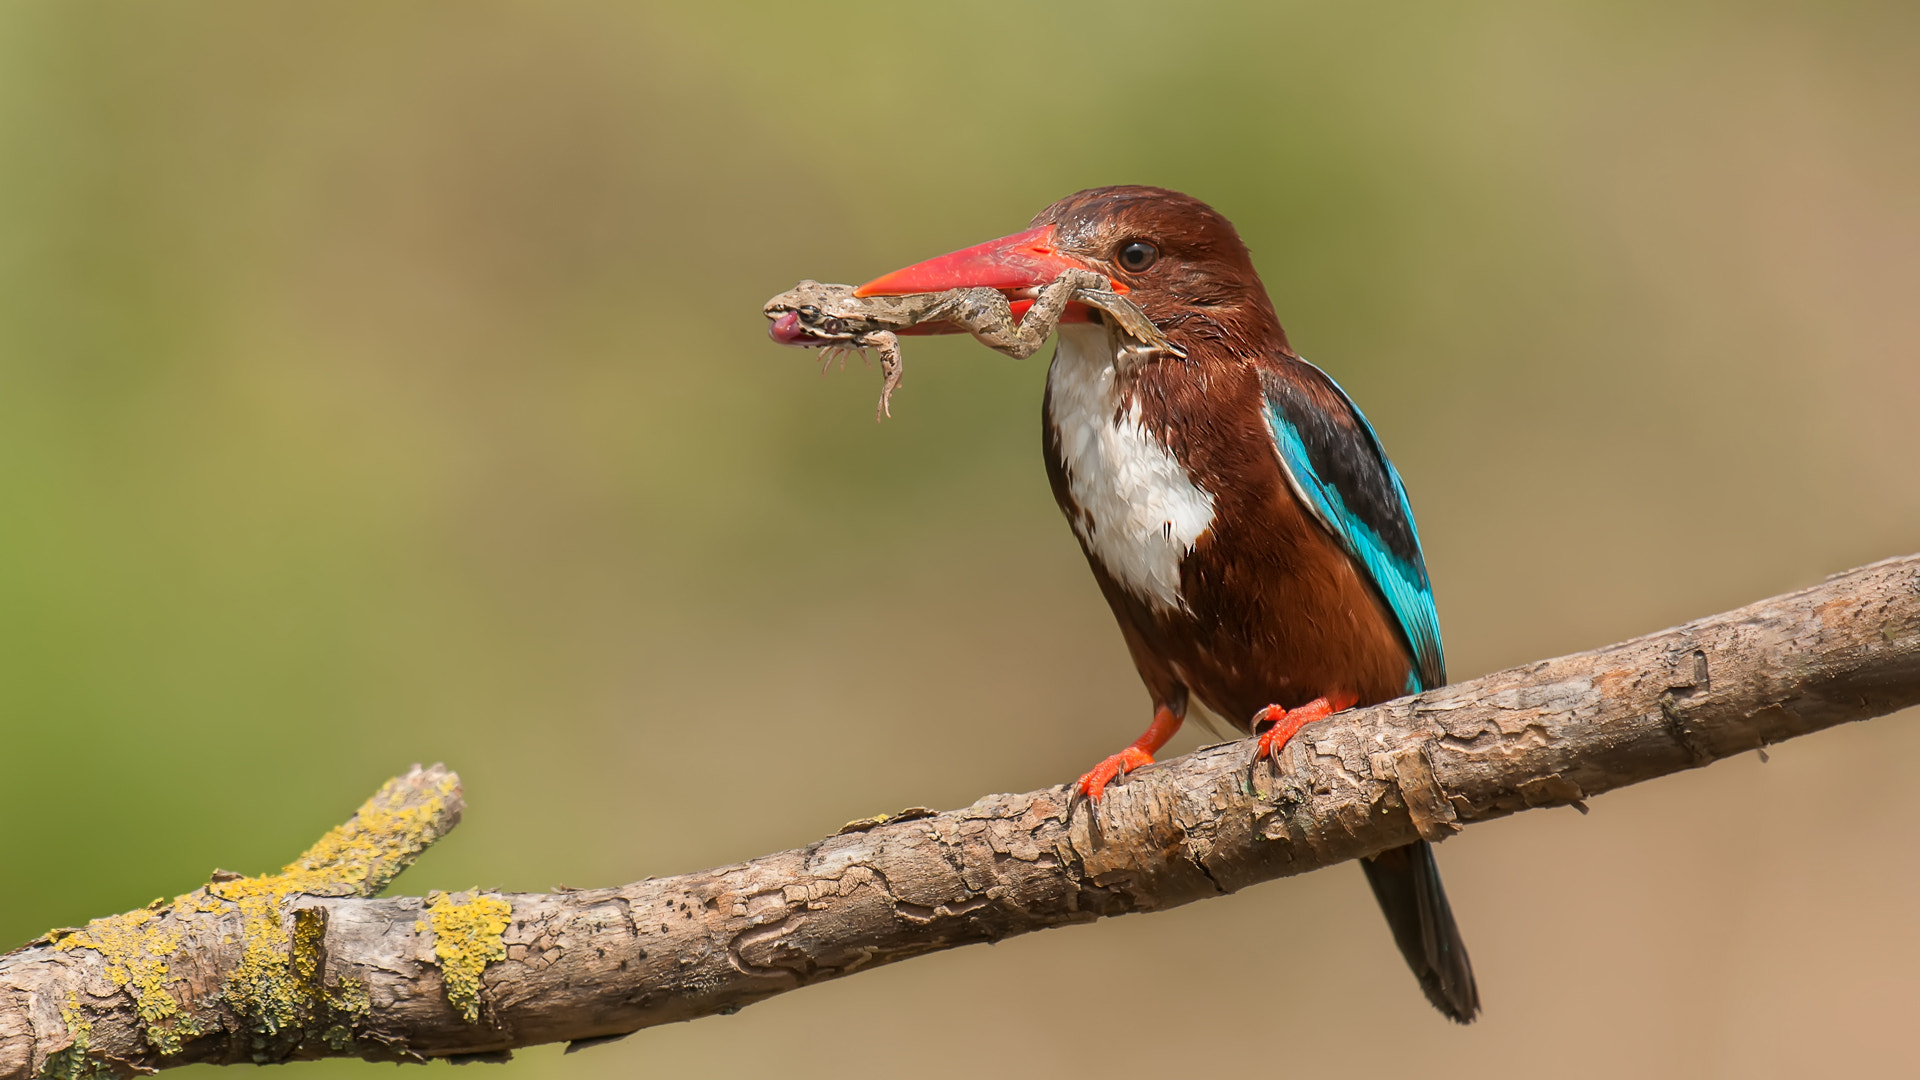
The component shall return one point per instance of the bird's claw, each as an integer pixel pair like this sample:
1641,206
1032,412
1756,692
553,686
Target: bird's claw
1094,783
1278,726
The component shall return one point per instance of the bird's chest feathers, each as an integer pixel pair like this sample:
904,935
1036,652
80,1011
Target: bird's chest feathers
1140,513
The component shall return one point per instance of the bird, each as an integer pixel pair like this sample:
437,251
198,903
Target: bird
1239,513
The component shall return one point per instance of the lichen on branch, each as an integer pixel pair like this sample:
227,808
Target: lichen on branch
273,989
468,934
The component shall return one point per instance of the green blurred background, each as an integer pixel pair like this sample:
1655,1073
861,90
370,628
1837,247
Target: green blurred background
387,383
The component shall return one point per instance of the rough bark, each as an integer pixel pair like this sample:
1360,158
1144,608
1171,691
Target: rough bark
304,964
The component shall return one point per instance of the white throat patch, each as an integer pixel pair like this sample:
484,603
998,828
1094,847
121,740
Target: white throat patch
1140,514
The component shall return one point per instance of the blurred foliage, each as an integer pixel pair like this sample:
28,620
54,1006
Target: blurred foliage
383,383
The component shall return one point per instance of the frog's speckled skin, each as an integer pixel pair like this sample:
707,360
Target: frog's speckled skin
817,315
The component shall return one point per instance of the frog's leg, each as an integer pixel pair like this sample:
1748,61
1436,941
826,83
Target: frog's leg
888,346
1129,318
986,314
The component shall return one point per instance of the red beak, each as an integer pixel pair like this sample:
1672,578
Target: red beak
1025,260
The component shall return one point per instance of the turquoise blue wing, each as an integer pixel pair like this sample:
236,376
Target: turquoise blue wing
1336,465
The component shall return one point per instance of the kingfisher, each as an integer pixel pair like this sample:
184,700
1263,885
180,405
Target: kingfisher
1238,511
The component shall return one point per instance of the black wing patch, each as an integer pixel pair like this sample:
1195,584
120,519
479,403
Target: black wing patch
1336,465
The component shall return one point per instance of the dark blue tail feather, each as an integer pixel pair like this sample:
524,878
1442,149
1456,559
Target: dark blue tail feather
1406,881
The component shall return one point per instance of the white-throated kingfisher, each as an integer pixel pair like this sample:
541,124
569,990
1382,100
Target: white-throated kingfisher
1238,511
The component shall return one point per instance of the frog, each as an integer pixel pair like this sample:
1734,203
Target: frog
813,314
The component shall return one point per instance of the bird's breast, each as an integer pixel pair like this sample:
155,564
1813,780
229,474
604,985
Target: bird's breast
1135,506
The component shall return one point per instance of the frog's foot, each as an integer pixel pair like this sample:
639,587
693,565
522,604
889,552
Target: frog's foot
888,346
1277,725
838,352
1132,321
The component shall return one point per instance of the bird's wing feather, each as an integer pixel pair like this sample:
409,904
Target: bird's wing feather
1335,464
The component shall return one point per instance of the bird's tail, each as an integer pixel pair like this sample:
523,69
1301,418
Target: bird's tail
1406,881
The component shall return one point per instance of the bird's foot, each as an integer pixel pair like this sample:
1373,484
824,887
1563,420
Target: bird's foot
1165,722
1095,782
1277,725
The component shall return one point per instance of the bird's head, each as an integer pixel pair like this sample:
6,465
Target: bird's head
1171,254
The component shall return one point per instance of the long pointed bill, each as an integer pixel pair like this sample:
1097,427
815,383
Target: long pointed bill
1025,260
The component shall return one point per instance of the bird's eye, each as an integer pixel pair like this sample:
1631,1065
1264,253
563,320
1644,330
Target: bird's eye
1137,255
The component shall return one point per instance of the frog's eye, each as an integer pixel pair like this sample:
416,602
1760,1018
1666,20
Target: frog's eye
1137,255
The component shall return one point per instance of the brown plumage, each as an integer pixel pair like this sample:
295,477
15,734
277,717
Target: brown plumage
1275,612
1230,583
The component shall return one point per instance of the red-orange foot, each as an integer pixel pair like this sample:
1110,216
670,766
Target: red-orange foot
1095,782
1165,723
1286,723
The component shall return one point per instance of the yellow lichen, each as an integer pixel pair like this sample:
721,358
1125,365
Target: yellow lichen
277,983
388,832
259,988
349,999
309,937
468,934
72,1062
136,946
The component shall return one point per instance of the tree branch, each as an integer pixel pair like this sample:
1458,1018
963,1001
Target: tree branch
304,964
